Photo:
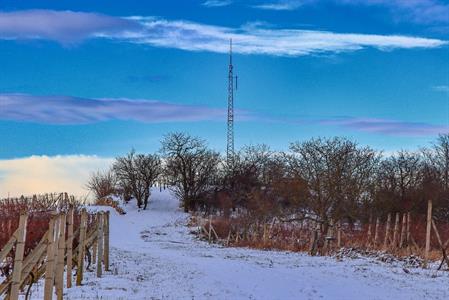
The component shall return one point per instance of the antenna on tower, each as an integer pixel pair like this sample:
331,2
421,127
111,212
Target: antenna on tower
230,133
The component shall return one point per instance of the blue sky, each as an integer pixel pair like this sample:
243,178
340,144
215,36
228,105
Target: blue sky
92,79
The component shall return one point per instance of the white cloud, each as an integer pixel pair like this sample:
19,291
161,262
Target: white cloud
257,40
216,3
281,5
44,174
442,88
191,36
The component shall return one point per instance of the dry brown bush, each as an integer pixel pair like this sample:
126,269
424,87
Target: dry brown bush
40,209
107,201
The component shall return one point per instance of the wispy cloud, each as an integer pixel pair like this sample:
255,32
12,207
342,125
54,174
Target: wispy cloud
257,40
387,127
216,3
442,88
44,174
281,5
191,36
390,127
61,26
420,11
62,110
73,110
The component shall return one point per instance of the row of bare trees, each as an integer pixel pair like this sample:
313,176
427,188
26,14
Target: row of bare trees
324,179
336,179
187,167
131,176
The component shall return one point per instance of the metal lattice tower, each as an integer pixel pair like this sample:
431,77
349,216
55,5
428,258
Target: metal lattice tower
230,133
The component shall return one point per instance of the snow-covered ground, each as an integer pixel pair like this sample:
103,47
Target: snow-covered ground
154,256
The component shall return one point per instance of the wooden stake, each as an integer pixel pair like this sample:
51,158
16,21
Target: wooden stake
409,224
368,241
106,241
440,242
315,237
387,232
49,268
376,232
210,228
18,259
100,244
94,249
339,235
396,231
59,279
69,247
80,264
229,237
428,230
264,237
328,238
403,230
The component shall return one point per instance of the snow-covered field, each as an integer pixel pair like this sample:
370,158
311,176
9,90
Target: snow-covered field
155,257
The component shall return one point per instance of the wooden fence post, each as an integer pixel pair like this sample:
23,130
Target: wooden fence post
376,232
18,259
403,230
442,246
387,232
210,228
49,268
315,237
428,230
339,234
69,247
59,278
106,241
368,241
81,245
409,224
100,243
94,250
396,231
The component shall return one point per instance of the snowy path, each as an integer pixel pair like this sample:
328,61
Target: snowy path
154,257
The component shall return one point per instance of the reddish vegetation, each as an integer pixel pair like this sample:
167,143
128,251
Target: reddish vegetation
39,209
296,237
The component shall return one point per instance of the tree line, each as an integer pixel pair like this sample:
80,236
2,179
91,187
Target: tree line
323,179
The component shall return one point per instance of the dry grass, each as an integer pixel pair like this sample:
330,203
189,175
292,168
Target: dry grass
240,232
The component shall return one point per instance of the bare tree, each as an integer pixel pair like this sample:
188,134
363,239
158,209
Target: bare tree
399,179
102,184
190,167
338,173
137,173
438,156
248,171
436,176
148,168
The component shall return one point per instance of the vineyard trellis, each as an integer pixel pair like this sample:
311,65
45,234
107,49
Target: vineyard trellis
47,244
401,234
